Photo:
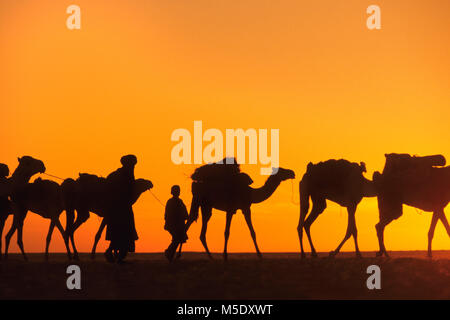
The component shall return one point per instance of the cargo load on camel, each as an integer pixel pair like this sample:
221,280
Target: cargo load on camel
396,162
225,170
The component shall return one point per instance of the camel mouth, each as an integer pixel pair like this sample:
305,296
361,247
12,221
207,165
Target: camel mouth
290,175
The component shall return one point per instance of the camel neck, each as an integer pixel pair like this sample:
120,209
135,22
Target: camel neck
263,193
19,177
369,188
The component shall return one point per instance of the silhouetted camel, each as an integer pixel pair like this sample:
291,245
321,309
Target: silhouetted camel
28,167
88,194
45,198
413,181
227,194
340,181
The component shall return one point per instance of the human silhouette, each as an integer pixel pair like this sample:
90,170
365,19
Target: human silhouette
87,194
420,182
222,186
340,181
121,230
175,217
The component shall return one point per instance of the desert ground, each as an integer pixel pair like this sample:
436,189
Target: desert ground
406,275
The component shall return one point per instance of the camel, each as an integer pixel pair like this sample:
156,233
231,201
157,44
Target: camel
43,197
420,182
28,167
87,194
225,194
340,181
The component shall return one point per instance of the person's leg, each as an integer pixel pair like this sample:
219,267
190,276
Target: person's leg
122,253
170,251
178,256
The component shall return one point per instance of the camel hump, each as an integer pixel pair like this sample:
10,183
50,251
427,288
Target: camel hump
335,167
221,170
396,162
68,185
44,181
244,179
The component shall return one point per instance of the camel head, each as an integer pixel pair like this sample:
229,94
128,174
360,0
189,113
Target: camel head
283,174
140,186
4,170
31,166
376,177
143,184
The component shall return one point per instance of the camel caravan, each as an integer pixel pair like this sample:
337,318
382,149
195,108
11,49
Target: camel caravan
420,182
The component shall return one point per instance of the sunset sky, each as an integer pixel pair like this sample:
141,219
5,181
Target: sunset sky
137,70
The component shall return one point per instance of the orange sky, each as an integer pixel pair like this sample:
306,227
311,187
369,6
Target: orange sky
138,69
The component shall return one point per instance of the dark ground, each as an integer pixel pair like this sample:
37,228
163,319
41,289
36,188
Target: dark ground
407,275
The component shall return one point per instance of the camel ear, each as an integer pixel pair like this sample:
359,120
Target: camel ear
19,159
275,170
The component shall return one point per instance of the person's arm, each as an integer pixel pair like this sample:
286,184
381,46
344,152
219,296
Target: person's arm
166,211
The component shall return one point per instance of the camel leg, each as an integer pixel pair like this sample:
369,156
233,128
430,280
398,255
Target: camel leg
444,221
248,219
351,230
70,217
355,238
390,208
64,235
206,215
434,221
82,216
20,240
319,205
8,237
2,225
193,212
97,238
49,238
380,226
227,234
17,224
304,207
301,223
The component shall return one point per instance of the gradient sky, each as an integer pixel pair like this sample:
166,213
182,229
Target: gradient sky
137,70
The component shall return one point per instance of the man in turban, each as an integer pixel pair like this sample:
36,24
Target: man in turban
121,230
